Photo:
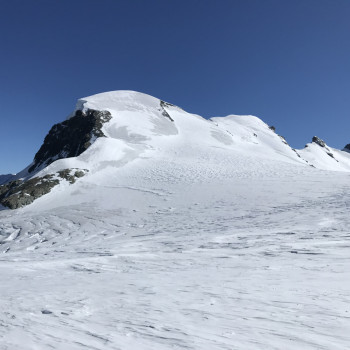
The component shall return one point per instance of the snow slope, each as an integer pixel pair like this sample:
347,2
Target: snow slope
327,158
185,234
142,124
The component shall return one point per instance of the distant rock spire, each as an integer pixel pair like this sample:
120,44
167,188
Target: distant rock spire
318,141
347,148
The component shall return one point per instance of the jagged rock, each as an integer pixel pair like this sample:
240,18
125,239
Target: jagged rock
318,141
71,137
164,112
293,149
347,148
66,174
283,140
332,156
19,193
272,128
166,104
79,173
321,143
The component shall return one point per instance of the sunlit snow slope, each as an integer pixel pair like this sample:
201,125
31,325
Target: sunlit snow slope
185,233
144,126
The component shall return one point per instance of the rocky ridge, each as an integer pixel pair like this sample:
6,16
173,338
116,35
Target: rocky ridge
323,144
75,135
70,138
19,193
347,148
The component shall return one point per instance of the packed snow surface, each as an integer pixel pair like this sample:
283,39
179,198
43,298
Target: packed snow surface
185,234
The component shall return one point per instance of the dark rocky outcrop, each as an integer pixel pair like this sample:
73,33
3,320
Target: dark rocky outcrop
71,137
318,141
322,144
332,156
283,140
296,152
164,112
19,193
347,148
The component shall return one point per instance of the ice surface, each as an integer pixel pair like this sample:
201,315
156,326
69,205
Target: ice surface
198,236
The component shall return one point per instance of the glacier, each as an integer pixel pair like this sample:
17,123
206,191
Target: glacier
184,233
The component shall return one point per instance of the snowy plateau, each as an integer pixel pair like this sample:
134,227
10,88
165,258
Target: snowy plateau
163,230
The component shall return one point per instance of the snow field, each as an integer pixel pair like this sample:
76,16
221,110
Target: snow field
183,235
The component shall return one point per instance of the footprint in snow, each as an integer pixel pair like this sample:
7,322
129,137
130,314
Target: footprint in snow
46,312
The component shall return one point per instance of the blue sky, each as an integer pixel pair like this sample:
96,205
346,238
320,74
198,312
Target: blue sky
287,62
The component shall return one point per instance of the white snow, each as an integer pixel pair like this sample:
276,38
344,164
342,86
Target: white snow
191,234
320,157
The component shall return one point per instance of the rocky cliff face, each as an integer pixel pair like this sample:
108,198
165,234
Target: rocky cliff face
71,137
67,139
318,141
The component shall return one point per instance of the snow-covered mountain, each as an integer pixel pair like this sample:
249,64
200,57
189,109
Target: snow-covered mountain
322,156
111,130
142,226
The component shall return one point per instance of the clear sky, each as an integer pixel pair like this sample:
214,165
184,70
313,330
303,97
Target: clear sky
288,62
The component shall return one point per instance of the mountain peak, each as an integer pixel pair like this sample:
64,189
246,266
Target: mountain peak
118,100
347,148
117,129
319,141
